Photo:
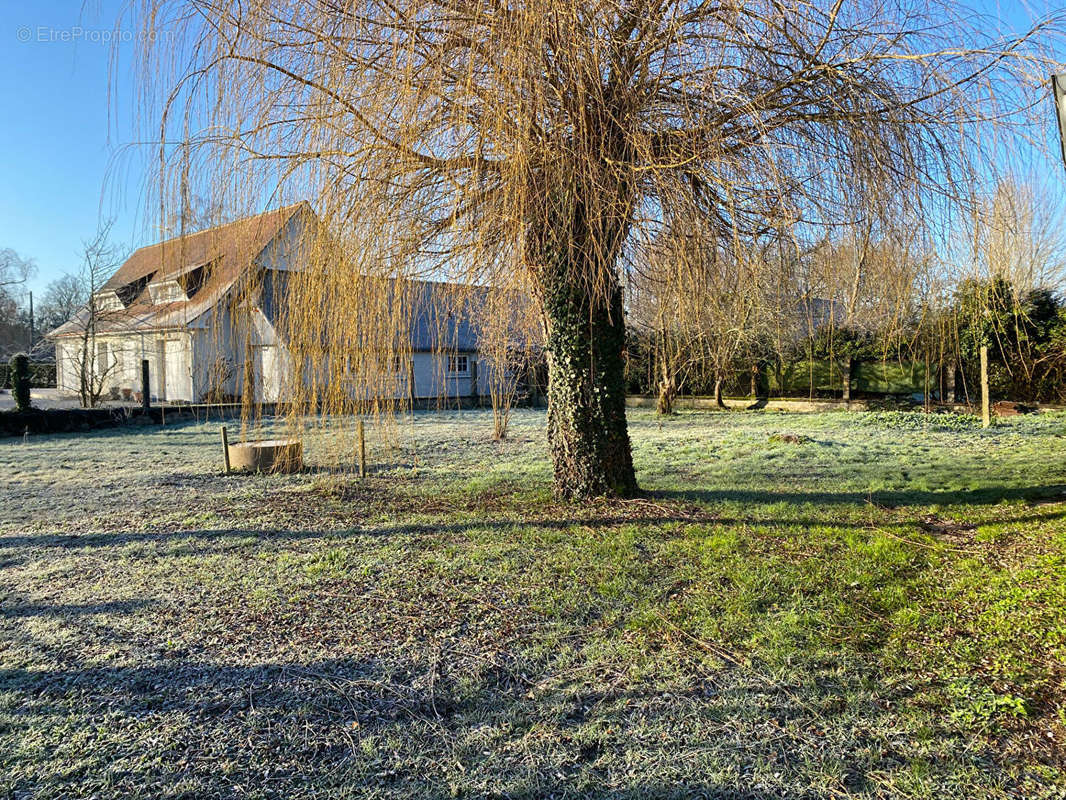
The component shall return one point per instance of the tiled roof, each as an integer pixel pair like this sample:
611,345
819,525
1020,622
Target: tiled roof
227,251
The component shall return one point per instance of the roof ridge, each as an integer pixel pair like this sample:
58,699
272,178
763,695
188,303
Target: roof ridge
290,208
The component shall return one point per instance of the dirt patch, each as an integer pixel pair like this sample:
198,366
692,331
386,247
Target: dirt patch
948,531
789,438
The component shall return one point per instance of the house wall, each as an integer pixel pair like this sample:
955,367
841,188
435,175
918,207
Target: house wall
216,361
432,378
169,356
214,355
220,349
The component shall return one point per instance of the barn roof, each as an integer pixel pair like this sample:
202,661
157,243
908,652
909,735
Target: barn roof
189,275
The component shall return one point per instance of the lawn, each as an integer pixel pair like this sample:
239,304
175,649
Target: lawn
801,606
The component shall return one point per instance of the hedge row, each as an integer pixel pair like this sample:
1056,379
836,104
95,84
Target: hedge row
42,375
67,420
869,377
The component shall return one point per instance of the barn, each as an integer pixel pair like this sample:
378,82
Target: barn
172,304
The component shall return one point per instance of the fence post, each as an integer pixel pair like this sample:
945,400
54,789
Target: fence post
986,409
146,389
411,381
225,449
362,450
847,381
927,387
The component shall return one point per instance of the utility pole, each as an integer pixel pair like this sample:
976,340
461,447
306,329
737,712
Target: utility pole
32,332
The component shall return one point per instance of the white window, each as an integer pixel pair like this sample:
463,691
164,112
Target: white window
458,365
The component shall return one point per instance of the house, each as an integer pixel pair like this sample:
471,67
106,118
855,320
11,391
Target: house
175,305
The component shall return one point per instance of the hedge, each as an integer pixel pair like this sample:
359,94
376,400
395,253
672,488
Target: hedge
66,420
42,375
890,377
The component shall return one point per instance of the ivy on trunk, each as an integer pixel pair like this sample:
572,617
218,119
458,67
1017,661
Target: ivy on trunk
575,251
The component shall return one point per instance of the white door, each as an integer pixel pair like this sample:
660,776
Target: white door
159,380
267,377
178,376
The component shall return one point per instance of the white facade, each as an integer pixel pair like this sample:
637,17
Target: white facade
187,366
195,351
117,363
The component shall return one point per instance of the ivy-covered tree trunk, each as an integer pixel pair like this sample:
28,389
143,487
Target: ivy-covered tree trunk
587,432
576,279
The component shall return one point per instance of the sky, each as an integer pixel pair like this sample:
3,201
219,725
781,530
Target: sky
68,158
65,164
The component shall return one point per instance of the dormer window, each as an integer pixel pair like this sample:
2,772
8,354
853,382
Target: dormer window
181,286
128,293
165,292
193,279
108,301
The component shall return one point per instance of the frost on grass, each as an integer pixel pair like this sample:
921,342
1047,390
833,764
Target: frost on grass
875,612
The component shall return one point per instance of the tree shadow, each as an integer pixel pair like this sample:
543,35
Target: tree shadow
990,495
484,724
72,609
982,497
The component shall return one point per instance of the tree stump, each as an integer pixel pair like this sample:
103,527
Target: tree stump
267,455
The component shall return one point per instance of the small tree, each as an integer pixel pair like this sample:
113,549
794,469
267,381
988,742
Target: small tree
509,342
91,362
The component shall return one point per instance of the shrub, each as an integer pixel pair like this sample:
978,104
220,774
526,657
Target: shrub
20,381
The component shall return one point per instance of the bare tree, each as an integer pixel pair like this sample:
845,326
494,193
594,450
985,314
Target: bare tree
699,304
92,360
552,139
62,299
508,344
14,320
14,269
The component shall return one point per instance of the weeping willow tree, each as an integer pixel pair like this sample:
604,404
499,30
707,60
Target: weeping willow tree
542,145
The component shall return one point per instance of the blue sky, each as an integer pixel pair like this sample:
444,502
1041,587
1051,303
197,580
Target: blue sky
62,167
65,157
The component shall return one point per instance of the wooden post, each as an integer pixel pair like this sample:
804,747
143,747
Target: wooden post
146,386
847,381
986,409
225,449
927,387
362,450
411,381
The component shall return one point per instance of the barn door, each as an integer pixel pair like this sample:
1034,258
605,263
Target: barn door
161,369
267,378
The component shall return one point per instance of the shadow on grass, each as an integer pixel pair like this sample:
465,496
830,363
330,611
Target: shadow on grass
72,609
889,498
919,499
320,726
